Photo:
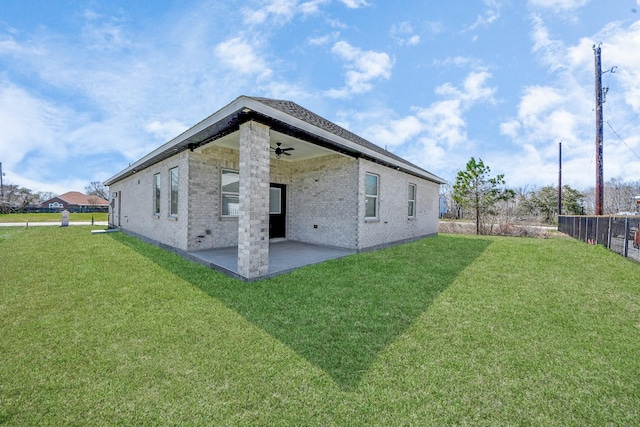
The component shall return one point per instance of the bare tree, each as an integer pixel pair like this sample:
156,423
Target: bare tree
96,188
619,196
43,196
17,198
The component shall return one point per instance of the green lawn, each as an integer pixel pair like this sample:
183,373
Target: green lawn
53,217
453,330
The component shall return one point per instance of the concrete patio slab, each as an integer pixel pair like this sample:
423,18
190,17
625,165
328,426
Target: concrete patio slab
284,256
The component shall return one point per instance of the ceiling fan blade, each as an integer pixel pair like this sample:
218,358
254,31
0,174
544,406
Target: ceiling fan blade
288,149
285,153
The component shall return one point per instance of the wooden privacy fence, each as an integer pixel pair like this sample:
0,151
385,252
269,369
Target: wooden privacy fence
619,234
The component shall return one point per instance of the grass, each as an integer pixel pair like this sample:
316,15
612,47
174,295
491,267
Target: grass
453,330
53,217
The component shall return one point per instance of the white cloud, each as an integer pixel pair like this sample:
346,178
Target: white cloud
395,132
553,52
28,124
559,5
355,4
363,68
311,7
105,34
431,136
279,11
435,27
324,40
282,10
458,61
510,128
404,34
167,130
241,57
473,88
491,15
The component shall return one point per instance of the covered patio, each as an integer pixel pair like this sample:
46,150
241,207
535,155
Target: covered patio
284,256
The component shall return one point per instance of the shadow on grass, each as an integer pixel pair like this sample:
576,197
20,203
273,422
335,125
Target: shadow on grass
340,314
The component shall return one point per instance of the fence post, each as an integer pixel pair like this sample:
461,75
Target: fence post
626,237
609,233
579,228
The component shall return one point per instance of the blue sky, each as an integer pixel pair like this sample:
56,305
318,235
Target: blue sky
87,87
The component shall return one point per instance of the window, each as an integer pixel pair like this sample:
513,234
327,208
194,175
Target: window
275,201
173,193
412,201
156,194
230,192
371,196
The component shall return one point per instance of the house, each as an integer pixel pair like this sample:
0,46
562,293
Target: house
262,169
74,201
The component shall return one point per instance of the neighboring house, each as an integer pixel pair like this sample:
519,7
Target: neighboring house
76,202
229,181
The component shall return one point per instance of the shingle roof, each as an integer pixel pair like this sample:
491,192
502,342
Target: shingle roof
77,198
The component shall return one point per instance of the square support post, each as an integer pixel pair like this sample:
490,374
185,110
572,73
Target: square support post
253,220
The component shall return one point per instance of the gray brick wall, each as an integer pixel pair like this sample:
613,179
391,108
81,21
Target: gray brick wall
325,202
137,203
207,227
393,223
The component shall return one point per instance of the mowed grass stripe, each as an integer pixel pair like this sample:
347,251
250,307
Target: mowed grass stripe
108,330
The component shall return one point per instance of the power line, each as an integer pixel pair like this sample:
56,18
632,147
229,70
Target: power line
616,134
629,122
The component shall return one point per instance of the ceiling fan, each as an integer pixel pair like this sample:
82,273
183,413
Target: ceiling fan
280,151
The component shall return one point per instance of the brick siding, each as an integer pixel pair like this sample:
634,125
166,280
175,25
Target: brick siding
325,202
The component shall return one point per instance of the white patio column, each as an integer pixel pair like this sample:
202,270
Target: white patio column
253,219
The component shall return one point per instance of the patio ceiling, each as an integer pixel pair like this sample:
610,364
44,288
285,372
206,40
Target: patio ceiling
303,150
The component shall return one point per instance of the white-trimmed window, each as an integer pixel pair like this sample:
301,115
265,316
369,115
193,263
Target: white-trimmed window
411,212
371,196
230,193
156,194
174,179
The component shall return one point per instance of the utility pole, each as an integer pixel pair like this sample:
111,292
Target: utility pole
559,179
601,94
599,133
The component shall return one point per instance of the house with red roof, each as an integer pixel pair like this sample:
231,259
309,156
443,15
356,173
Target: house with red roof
75,201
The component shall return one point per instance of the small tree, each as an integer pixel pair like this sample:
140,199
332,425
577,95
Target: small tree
546,201
475,190
95,188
